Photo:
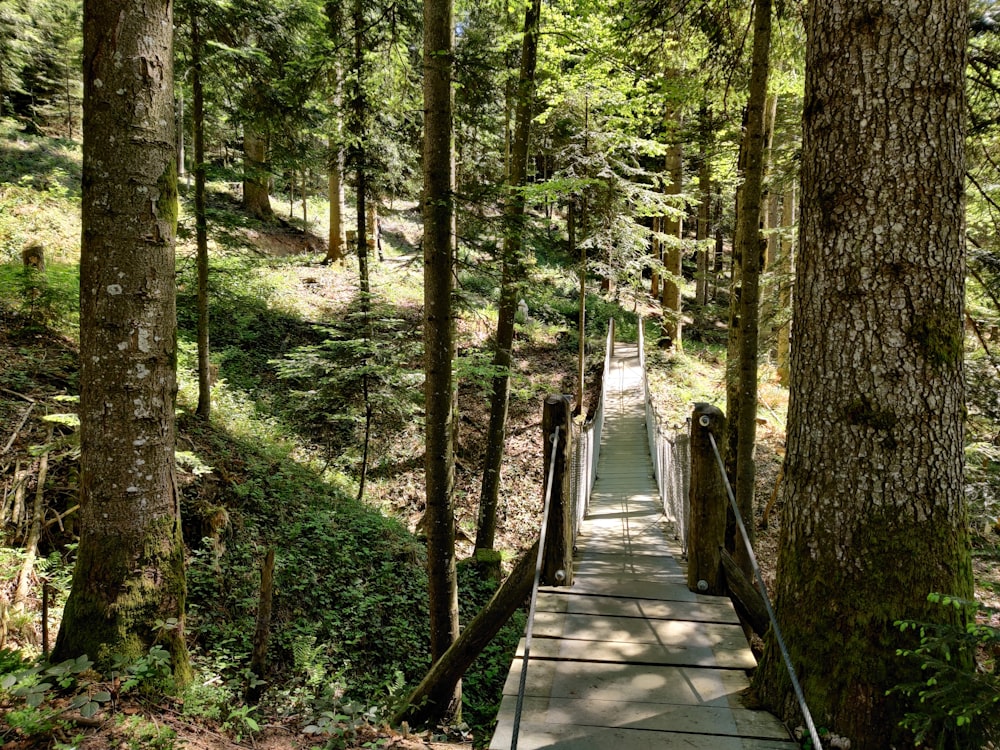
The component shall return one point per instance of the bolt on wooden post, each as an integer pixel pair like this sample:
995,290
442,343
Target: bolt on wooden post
708,503
557,563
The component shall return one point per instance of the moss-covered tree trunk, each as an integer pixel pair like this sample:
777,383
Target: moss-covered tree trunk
874,516
439,346
130,565
511,277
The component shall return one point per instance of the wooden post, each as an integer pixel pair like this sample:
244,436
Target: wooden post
707,524
258,660
557,565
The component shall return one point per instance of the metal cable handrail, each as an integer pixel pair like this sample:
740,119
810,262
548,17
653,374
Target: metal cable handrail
534,591
759,579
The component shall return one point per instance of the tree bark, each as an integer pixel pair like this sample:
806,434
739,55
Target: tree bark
786,270
130,562
704,206
511,277
708,504
673,227
439,345
557,564
256,178
748,251
201,223
874,515
34,531
262,632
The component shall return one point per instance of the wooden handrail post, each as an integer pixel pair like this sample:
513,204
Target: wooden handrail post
557,564
708,503
612,323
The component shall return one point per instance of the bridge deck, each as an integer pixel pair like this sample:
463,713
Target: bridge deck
628,658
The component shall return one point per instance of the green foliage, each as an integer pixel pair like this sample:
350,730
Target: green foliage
347,580
339,721
32,691
957,701
150,672
48,298
241,722
335,381
139,733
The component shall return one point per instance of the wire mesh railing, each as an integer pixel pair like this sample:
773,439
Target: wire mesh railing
670,450
587,443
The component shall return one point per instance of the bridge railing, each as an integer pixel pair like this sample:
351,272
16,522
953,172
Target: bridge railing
670,450
587,443
694,490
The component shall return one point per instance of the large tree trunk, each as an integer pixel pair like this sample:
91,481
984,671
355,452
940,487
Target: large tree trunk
256,178
748,251
335,247
439,346
200,223
129,573
673,227
705,205
874,516
511,277
786,269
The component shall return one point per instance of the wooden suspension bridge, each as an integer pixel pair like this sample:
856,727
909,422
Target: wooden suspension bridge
628,657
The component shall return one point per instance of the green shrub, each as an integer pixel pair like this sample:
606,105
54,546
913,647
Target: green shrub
957,703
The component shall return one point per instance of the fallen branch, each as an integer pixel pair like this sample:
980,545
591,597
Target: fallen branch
434,691
35,532
17,430
59,517
21,396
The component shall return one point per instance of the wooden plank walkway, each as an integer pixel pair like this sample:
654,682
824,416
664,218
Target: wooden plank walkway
628,658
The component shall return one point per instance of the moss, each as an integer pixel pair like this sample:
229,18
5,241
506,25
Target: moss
939,338
122,588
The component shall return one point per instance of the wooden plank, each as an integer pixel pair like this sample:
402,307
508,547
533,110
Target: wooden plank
652,716
566,600
654,654
690,685
539,736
